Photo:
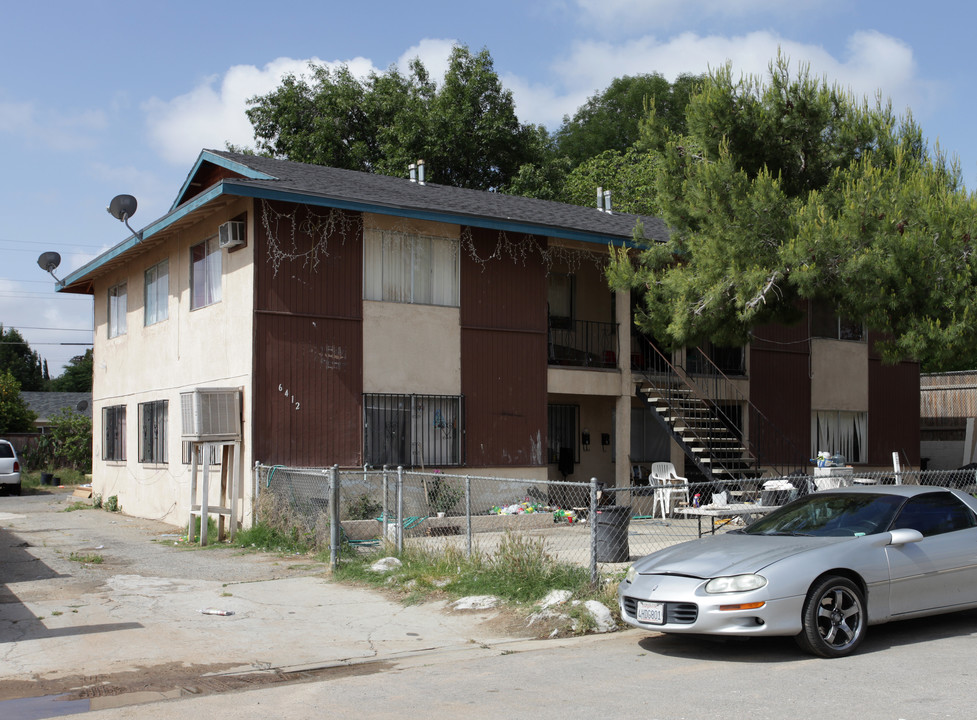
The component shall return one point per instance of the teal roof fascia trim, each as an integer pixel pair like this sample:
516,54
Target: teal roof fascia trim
233,187
220,161
148,231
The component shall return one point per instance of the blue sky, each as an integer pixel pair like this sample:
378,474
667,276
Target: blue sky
102,97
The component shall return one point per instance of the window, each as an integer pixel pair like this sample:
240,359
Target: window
934,514
842,432
117,310
205,274
409,268
560,298
152,431
413,430
114,433
157,306
826,324
562,434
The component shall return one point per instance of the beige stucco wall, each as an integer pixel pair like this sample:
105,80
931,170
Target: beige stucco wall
839,375
411,348
210,346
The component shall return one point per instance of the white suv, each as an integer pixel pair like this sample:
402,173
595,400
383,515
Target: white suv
9,468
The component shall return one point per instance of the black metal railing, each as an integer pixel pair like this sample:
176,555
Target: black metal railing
585,343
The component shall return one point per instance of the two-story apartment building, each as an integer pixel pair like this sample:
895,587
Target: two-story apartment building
371,320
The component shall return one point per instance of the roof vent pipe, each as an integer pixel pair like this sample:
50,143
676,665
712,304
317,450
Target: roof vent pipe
600,198
607,201
420,172
412,168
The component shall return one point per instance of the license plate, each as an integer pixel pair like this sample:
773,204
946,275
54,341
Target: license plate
651,612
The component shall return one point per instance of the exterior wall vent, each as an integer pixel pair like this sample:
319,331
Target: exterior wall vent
231,234
211,414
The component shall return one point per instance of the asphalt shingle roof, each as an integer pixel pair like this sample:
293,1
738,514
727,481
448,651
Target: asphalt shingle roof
477,205
48,404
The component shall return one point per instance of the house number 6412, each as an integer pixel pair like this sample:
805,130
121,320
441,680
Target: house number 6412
291,398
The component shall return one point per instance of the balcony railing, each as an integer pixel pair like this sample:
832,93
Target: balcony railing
584,343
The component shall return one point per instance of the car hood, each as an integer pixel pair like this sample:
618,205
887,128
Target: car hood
729,554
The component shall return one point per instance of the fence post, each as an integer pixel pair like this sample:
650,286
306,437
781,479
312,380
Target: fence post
386,508
400,509
334,535
468,511
593,531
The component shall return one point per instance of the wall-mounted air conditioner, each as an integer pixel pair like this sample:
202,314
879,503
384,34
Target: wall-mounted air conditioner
211,414
231,234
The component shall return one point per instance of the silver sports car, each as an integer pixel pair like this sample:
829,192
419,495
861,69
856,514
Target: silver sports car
822,568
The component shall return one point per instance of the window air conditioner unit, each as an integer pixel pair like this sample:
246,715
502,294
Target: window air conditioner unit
211,414
231,234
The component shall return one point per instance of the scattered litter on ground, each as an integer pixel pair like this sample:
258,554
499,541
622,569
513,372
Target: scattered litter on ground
216,611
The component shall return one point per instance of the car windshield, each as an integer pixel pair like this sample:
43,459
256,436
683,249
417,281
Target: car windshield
829,514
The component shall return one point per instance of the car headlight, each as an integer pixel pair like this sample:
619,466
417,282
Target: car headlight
735,583
631,575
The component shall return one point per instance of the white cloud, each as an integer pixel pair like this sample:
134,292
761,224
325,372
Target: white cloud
55,131
873,62
433,53
214,112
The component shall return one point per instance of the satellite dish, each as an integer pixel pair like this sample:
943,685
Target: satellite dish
82,406
122,207
49,261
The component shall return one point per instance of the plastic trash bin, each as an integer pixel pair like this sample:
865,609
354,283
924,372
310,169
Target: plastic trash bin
611,532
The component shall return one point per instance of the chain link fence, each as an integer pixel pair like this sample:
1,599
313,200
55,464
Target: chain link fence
602,528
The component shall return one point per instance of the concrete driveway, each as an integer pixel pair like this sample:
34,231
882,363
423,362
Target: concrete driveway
76,634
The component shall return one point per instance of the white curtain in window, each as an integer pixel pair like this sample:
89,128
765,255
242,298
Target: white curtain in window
373,265
396,267
157,293
118,306
445,272
213,271
842,432
421,270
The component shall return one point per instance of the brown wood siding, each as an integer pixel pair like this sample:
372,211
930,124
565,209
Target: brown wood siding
780,387
308,343
207,176
893,409
503,355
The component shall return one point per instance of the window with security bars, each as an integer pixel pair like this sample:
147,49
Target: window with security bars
114,433
562,423
413,430
152,431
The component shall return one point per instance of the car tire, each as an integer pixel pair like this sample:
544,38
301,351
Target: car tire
834,620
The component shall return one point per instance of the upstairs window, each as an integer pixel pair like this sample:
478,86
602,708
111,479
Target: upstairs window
826,324
205,274
410,268
157,293
118,306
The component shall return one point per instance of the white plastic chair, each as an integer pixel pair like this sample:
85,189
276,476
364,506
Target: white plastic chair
663,473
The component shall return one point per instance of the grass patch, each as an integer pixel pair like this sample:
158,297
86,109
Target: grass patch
89,559
520,572
78,506
31,480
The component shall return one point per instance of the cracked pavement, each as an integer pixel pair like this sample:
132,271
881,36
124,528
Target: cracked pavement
133,622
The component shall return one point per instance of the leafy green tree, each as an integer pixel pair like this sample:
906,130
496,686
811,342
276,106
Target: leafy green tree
17,357
793,191
76,376
611,119
465,128
15,415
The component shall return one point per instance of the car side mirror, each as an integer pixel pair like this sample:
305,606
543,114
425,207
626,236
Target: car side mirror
902,536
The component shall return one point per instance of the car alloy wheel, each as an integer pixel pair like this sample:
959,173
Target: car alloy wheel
834,618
